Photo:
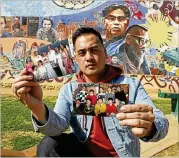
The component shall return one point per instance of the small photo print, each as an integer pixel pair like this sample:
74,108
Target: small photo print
50,61
100,99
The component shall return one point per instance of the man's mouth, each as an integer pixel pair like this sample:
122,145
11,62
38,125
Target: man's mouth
116,29
90,65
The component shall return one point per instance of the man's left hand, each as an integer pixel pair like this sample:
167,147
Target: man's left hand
139,116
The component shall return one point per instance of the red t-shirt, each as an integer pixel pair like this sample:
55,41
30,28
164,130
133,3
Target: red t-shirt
93,98
111,109
99,142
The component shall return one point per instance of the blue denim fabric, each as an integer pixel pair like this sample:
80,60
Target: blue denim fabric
121,137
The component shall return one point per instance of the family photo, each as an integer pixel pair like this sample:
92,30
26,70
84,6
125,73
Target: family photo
100,99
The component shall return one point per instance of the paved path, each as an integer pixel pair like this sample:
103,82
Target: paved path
151,149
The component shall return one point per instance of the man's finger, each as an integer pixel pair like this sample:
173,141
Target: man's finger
21,84
23,78
136,108
139,132
136,123
148,116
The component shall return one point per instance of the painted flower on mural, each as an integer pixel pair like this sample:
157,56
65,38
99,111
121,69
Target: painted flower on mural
73,4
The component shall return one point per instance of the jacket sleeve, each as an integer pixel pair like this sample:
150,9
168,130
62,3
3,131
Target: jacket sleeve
161,123
58,120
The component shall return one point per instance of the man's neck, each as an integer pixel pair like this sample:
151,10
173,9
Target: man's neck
95,78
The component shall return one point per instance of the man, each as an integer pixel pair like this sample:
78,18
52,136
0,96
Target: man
100,108
78,107
3,34
89,108
115,62
92,96
16,29
92,136
47,33
132,53
110,107
116,22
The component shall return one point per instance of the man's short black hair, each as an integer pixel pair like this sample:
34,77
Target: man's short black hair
100,98
33,67
48,19
83,31
89,99
133,28
91,90
110,99
112,7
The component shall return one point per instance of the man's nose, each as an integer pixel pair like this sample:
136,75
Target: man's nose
89,56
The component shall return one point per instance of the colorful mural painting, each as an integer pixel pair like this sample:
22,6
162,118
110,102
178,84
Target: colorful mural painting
140,36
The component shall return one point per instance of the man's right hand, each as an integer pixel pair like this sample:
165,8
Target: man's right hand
30,94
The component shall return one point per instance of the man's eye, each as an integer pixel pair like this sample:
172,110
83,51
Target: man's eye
81,53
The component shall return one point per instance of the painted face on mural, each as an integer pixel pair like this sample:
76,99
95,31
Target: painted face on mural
2,25
114,59
138,41
90,54
47,25
116,23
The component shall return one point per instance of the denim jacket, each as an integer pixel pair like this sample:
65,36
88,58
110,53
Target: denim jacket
121,137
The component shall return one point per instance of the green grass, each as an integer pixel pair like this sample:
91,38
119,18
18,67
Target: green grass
16,127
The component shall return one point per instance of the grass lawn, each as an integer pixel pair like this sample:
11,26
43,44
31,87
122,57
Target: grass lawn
16,128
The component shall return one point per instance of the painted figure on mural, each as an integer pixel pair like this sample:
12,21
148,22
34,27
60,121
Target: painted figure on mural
3,33
62,30
19,49
47,33
133,51
116,23
16,29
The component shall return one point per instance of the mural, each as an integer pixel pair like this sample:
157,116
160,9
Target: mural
140,36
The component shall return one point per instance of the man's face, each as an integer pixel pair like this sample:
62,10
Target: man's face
2,25
90,54
88,102
91,93
109,101
101,90
100,101
46,25
116,23
39,63
114,60
16,20
138,42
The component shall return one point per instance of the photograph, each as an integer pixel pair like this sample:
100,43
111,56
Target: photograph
100,99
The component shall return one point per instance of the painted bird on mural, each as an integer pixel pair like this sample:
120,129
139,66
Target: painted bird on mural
136,13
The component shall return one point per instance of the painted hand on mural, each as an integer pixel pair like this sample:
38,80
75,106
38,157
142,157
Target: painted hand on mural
139,117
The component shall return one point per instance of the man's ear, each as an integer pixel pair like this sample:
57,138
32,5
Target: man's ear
128,39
